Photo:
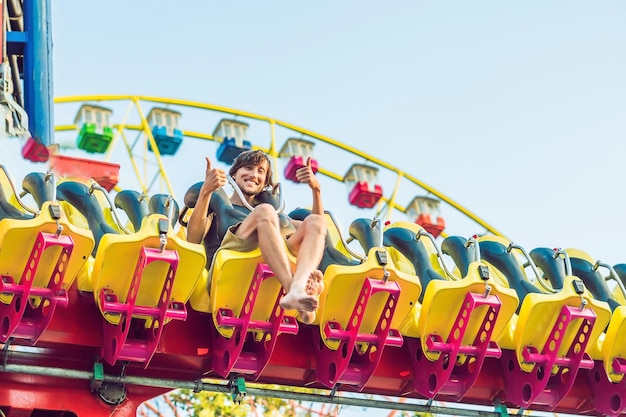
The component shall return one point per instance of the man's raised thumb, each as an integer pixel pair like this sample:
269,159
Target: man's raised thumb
208,162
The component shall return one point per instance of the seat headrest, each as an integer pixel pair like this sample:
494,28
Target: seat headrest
135,207
40,189
157,205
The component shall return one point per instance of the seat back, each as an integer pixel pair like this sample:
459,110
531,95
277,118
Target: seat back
158,204
39,187
88,205
403,240
582,267
553,270
9,206
494,251
134,205
462,254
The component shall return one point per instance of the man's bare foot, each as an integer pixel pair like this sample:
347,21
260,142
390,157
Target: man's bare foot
307,317
298,299
315,283
306,300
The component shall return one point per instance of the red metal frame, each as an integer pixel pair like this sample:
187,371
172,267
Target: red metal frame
445,375
346,364
229,354
540,388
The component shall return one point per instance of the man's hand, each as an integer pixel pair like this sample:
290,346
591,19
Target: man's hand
305,175
214,178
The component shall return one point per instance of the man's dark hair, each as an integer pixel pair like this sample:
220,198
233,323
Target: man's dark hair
253,157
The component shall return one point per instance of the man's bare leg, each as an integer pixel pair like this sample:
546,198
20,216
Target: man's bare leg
262,225
315,286
308,243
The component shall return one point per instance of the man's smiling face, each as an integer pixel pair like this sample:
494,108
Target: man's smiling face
251,178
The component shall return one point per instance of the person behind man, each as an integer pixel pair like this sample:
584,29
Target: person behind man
252,171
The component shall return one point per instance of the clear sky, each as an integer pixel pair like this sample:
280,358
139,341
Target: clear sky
516,110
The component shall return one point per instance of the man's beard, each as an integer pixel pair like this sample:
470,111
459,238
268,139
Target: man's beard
249,193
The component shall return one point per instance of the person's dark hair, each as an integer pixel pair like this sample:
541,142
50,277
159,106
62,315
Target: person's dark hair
253,157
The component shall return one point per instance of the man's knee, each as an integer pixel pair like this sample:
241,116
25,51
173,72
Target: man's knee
315,223
264,213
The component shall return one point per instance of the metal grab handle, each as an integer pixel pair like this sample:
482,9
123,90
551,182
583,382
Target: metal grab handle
361,258
169,204
568,264
531,263
612,275
472,241
95,186
443,265
377,223
50,177
17,195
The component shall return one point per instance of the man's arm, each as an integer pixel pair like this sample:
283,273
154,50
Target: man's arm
199,223
306,175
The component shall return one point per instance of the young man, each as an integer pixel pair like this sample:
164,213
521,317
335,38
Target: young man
252,171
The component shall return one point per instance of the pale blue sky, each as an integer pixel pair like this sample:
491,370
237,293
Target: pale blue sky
514,109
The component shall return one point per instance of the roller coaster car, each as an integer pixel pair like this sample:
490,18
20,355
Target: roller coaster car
40,257
140,280
606,379
455,327
552,336
583,266
361,309
242,295
84,210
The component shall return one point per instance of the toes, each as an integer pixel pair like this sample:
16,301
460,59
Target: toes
319,277
315,283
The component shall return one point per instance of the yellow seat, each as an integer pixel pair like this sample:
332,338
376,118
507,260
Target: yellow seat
244,296
341,294
542,311
39,260
117,258
444,300
200,299
610,347
361,309
18,237
233,274
456,329
551,342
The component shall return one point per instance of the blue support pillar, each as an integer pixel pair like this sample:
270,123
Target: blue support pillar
37,77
